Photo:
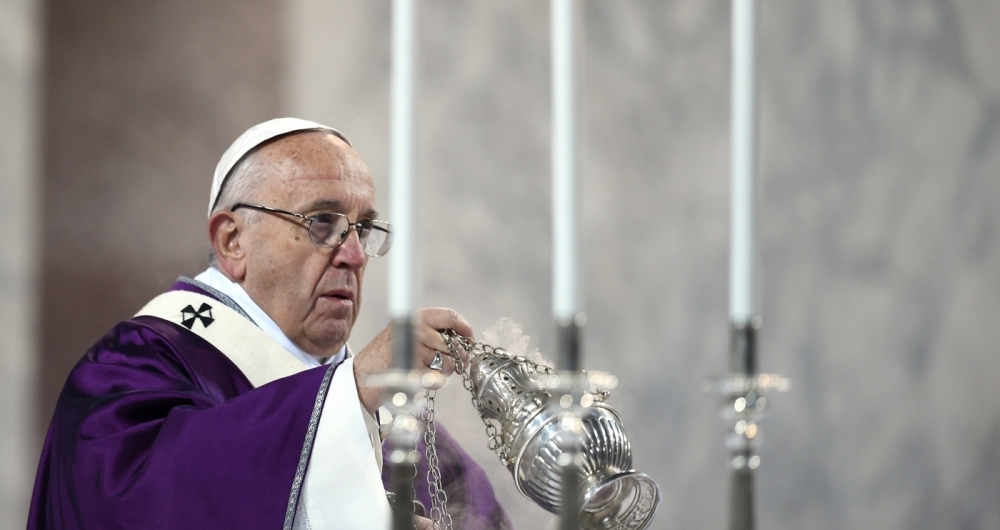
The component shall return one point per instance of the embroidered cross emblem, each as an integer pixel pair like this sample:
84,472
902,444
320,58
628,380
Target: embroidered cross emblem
189,316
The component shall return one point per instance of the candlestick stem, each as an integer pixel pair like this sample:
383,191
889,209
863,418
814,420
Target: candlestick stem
568,343
743,354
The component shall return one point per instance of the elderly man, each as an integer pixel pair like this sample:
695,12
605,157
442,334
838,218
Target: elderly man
232,401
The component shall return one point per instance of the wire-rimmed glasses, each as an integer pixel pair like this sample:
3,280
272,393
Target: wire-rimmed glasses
330,229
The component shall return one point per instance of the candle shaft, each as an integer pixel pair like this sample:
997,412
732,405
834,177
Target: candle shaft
565,303
741,273
744,161
401,266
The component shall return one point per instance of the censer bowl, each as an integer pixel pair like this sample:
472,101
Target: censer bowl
614,496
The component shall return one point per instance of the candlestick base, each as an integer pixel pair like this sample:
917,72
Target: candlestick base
743,406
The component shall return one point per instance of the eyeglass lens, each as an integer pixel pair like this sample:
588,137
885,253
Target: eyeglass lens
330,230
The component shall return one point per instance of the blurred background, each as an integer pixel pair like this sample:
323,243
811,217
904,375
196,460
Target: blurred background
879,217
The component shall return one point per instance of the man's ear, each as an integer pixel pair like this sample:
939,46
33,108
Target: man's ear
224,231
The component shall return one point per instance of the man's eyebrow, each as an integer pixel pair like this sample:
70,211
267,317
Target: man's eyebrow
327,204
324,204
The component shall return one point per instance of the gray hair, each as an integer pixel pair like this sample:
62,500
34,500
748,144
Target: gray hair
241,186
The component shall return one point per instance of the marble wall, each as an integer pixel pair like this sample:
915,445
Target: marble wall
141,99
20,57
880,146
879,231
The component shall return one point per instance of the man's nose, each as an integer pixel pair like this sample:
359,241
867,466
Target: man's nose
350,253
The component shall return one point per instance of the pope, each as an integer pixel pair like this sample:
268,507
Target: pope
232,399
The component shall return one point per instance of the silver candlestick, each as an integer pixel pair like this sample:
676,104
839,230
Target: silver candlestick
743,405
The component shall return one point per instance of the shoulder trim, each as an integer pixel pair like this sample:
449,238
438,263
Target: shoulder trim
307,447
259,357
221,296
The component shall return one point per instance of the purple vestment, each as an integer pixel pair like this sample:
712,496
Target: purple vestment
471,503
156,428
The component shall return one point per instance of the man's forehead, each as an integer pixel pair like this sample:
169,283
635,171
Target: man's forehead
314,156
309,143
315,167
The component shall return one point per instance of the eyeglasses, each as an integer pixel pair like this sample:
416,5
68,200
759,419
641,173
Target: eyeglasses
330,229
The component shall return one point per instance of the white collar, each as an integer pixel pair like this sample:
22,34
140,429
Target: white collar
218,281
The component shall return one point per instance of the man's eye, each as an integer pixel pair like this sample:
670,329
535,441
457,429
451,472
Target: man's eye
326,218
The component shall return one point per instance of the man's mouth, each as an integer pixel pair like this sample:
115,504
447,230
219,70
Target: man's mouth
340,294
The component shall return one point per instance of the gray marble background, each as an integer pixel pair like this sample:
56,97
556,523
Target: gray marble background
20,57
879,226
880,220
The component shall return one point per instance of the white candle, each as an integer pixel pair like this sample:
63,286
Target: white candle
565,303
744,160
401,264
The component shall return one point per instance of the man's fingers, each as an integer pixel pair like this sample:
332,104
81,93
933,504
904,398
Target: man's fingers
434,321
441,318
430,337
428,326
423,523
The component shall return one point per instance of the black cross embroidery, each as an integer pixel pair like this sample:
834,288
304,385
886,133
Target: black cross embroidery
189,315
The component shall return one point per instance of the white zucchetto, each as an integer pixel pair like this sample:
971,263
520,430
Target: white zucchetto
253,137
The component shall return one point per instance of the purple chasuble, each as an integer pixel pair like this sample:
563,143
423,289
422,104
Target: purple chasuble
156,428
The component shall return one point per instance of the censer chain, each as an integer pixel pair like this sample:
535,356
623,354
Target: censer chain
439,499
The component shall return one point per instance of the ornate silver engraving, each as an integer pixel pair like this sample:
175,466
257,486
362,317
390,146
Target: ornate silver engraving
523,425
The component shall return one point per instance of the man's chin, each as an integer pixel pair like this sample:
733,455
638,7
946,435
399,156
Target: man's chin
329,338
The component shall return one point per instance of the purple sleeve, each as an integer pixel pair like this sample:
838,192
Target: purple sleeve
156,429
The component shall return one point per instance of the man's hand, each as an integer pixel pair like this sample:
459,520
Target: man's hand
427,327
423,523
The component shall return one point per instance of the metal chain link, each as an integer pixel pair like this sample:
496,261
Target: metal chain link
439,499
